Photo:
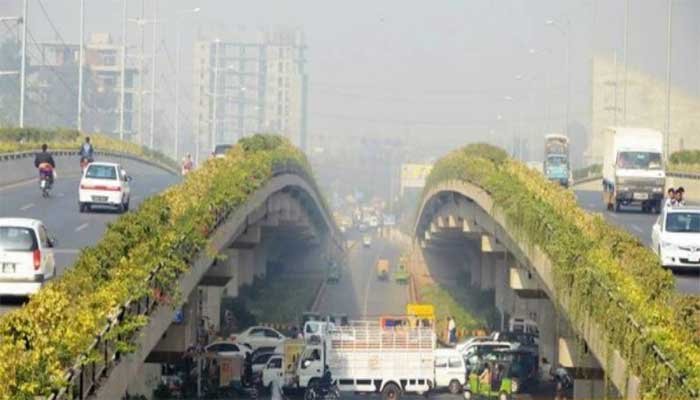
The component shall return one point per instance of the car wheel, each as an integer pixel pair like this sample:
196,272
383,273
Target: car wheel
83,207
391,392
454,387
126,206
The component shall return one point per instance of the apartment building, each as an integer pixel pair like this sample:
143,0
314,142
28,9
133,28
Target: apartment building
247,83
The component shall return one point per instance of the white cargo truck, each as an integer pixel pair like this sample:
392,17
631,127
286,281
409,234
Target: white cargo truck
363,357
633,168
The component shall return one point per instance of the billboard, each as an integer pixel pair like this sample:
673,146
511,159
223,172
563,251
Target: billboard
413,175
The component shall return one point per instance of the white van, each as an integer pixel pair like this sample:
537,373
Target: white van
450,370
523,325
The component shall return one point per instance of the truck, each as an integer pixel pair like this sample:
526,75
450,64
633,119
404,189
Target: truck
633,168
363,357
282,366
556,165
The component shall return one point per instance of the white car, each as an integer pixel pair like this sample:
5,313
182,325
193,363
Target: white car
462,346
260,360
227,348
367,241
450,370
221,149
259,336
676,237
104,184
26,256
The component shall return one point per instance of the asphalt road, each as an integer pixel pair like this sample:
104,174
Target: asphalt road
638,224
72,229
359,293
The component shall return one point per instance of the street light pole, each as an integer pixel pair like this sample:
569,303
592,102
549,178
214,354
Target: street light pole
81,60
668,76
23,68
625,55
566,32
178,50
212,139
153,75
123,71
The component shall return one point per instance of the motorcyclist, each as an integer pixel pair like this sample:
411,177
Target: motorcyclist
45,163
86,151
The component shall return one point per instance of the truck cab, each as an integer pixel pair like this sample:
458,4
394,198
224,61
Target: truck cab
556,165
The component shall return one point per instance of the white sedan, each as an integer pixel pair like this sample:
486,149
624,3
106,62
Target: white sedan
259,336
228,348
104,184
676,237
26,256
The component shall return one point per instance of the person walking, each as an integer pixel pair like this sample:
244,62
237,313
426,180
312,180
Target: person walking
187,164
452,329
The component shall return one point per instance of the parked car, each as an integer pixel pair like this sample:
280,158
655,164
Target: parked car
462,346
104,184
520,340
26,256
259,336
676,237
228,348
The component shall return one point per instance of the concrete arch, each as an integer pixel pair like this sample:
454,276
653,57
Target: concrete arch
464,207
234,228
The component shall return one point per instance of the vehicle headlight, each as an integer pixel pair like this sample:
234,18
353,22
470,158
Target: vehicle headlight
514,386
668,246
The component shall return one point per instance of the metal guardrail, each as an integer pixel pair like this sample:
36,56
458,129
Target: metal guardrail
69,153
683,175
83,379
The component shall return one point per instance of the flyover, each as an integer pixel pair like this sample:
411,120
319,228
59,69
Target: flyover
493,212
280,212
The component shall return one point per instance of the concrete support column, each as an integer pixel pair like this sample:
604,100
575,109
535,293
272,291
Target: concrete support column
588,375
211,305
260,261
475,270
246,265
488,270
503,294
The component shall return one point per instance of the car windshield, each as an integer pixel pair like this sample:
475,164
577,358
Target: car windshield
683,222
222,148
639,160
17,239
556,161
101,172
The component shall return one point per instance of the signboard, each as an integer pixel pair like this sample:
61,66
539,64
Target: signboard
413,175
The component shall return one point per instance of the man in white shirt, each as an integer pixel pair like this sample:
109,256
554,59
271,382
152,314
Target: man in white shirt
452,330
670,198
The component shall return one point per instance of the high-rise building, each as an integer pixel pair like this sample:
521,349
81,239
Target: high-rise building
102,83
247,83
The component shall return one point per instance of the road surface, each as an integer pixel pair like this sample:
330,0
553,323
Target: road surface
638,224
72,229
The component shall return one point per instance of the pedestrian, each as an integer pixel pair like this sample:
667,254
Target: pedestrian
187,164
545,370
680,200
452,329
670,198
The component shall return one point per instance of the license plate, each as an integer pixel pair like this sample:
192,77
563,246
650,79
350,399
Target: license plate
102,199
8,268
641,196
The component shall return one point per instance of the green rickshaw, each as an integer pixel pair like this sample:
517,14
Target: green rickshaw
334,272
500,386
401,275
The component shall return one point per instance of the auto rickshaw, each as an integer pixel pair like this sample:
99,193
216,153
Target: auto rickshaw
382,269
500,387
334,272
401,275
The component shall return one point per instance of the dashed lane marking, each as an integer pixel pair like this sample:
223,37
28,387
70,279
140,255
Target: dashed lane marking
26,207
81,227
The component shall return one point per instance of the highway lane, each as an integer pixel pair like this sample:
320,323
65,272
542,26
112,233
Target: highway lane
359,293
638,224
72,229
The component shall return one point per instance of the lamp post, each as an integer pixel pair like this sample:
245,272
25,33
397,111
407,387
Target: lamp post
566,32
212,138
669,37
123,71
178,50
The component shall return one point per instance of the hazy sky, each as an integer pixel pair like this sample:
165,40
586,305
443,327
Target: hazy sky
448,69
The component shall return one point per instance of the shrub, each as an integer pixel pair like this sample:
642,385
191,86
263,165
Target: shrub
606,273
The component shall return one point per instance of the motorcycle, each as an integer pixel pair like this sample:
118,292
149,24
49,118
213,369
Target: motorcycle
45,182
320,391
84,161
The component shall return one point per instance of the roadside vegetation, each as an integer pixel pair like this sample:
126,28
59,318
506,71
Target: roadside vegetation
605,273
141,254
13,140
471,309
685,161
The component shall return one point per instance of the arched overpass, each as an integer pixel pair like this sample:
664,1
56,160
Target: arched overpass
458,214
287,214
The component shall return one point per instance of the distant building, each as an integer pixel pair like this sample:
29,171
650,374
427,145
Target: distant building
248,83
103,90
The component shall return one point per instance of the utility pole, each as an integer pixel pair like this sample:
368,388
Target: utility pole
153,74
123,72
142,53
81,61
668,76
177,76
23,68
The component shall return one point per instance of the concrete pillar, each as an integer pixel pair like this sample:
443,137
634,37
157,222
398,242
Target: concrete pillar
147,379
246,266
260,261
234,282
503,294
211,305
589,389
588,375
488,270
475,270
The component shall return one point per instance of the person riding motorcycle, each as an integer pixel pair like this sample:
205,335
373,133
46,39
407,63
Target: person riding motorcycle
87,150
45,163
